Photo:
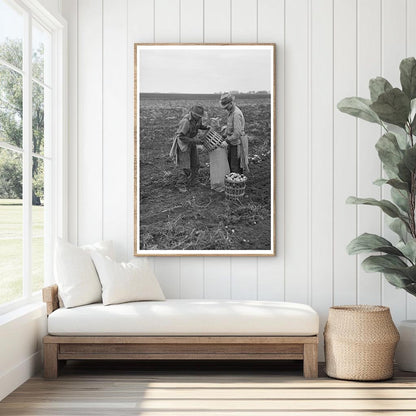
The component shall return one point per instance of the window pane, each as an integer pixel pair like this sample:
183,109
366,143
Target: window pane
38,229
41,46
11,34
11,226
11,107
38,118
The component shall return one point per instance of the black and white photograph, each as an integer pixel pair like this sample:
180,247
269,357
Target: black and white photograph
204,150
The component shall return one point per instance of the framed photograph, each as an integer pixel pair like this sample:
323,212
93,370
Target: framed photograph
204,121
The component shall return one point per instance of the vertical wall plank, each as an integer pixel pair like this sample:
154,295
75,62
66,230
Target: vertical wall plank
411,51
192,31
345,151
271,29
114,124
244,278
167,271
296,152
167,29
243,21
192,21
244,29
90,128
167,21
192,278
140,21
70,12
140,30
411,28
217,21
217,29
393,51
217,278
321,167
369,168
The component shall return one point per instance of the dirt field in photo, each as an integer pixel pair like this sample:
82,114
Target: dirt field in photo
201,219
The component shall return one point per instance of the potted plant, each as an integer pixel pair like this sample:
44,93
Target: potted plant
394,109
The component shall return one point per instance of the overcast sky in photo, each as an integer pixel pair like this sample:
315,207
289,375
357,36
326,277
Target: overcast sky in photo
204,71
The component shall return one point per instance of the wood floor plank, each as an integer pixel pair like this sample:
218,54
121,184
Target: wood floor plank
281,405
123,412
94,390
155,393
222,405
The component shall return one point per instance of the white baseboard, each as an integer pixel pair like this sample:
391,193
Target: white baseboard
10,380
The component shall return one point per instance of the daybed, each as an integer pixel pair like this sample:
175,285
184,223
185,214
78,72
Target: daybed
181,329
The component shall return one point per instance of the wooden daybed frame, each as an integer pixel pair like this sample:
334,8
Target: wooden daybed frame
58,349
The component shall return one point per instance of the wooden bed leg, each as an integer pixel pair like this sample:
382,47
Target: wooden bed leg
50,360
310,360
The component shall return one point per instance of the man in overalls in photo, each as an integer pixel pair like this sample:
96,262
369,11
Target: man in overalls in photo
184,148
235,135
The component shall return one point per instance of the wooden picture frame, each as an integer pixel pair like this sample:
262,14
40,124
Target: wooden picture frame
179,209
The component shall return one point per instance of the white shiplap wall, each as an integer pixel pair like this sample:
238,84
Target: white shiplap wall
326,50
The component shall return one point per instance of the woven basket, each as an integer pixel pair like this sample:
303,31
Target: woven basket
360,342
234,190
211,140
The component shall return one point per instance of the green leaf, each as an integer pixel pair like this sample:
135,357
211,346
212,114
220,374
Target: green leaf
398,184
381,263
380,182
402,139
366,243
408,77
396,271
378,86
404,173
395,183
359,107
392,107
389,208
391,174
389,151
408,249
410,272
410,158
400,228
411,289
400,198
412,116
397,280
412,109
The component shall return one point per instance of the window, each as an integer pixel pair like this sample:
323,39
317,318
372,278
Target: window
31,141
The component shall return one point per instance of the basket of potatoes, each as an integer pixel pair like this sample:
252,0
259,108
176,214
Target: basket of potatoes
235,185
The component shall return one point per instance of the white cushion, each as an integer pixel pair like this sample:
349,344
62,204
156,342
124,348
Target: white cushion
75,273
187,317
126,282
103,247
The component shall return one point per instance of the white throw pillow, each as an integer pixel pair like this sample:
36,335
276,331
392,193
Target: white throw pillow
126,282
103,247
75,273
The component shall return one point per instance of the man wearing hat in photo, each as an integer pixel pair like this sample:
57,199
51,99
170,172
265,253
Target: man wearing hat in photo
184,150
234,135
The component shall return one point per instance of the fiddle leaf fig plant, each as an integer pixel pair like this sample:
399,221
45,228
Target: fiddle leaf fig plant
394,109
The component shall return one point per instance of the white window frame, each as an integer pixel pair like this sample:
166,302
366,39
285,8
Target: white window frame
58,211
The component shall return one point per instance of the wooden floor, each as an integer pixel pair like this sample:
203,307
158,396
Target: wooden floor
191,389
